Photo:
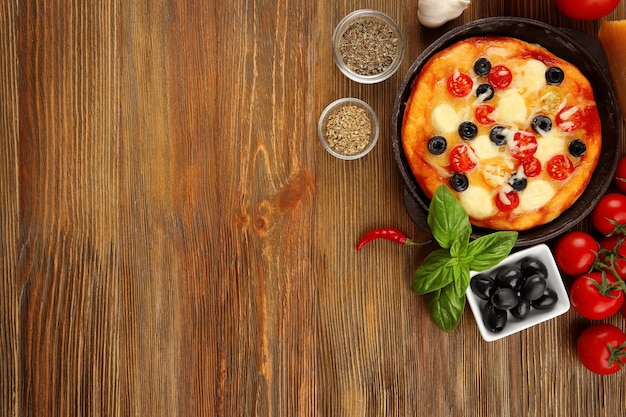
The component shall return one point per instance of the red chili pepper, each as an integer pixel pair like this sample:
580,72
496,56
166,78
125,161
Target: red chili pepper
388,233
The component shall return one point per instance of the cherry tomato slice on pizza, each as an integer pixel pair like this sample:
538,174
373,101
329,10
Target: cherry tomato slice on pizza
524,145
559,167
500,77
507,201
532,167
569,118
460,84
462,158
483,114
495,172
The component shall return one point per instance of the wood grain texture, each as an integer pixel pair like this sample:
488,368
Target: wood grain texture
176,242
9,213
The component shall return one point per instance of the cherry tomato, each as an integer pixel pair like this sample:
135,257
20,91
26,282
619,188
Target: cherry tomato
483,114
569,118
611,210
524,145
613,253
575,253
595,296
460,84
532,167
601,348
586,9
496,172
507,202
500,77
462,158
559,167
620,175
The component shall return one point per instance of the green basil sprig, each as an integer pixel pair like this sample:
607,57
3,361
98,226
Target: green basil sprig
445,273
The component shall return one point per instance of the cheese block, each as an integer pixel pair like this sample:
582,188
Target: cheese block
612,36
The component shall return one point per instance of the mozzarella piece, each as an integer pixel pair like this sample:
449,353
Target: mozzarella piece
477,202
536,195
445,119
485,148
512,107
532,77
497,51
550,145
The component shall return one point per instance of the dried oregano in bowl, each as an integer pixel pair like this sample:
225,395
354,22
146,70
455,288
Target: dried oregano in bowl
348,128
367,46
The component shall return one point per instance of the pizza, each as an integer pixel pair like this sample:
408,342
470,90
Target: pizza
512,129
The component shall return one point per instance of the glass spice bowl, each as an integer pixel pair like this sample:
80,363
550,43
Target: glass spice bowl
367,46
348,128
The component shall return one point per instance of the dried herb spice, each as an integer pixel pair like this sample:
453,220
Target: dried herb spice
348,130
368,46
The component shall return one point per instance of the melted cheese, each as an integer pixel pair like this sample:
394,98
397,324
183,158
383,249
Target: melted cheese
550,145
485,148
536,195
445,119
532,77
477,202
512,107
498,51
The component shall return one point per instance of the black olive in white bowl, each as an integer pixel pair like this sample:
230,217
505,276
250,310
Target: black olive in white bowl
522,291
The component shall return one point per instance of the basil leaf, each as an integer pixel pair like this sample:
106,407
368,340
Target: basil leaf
445,307
459,246
436,272
448,220
488,250
461,279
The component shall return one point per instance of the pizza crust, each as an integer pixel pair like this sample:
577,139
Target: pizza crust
431,110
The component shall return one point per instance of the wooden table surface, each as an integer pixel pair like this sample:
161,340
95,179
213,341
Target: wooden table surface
176,242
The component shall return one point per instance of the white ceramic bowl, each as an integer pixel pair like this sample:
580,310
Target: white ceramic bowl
555,282
345,24
337,104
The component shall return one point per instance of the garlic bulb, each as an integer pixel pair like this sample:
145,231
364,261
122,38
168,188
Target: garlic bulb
434,13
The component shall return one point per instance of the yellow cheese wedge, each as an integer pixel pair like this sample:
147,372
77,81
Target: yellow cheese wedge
612,36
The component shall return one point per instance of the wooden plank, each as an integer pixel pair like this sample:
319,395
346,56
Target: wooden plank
9,209
68,266
217,192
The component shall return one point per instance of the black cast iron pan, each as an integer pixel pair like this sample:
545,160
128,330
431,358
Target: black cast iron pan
573,46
